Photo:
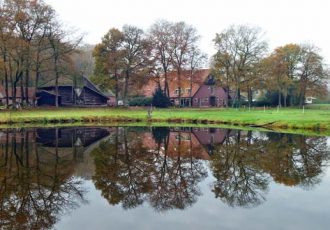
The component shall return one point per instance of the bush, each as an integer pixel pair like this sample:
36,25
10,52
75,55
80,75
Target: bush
140,101
160,100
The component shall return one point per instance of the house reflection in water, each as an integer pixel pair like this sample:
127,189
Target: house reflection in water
198,143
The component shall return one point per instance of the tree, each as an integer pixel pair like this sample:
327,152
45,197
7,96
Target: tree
196,60
160,99
136,57
61,49
280,71
109,60
239,50
183,39
160,37
312,73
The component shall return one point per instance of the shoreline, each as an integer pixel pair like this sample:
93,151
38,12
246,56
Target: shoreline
314,122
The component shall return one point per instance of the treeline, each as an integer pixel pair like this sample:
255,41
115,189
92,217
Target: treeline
291,72
34,47
127,58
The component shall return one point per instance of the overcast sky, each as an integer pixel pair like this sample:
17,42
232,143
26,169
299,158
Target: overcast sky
284,21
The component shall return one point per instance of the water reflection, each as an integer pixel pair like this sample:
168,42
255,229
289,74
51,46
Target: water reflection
36,176
42,171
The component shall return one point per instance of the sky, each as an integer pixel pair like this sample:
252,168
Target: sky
283,21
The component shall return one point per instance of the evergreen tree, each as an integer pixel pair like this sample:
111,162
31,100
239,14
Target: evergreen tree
160,100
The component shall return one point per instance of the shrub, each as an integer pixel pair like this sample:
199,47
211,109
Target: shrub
140,101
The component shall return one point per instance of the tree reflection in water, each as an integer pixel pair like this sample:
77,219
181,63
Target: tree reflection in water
129,172
164,166
36,182
245,163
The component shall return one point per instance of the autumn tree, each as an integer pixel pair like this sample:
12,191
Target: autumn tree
239,50
295,70
313,74
279,71
109,60
25,45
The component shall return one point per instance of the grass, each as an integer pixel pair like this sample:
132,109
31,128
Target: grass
312,120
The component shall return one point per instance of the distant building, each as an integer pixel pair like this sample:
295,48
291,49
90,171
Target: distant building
86,94
20,95
309,100
200,91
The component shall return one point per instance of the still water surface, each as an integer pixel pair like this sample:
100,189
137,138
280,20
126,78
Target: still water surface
162,178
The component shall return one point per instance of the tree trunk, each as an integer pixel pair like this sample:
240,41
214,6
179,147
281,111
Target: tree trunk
166,88
36,85
179,86
56,78
27,79
279,98
56,90
249,90
126,87
6,80
116,87
22,91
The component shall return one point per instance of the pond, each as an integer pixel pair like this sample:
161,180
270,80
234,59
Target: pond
162,178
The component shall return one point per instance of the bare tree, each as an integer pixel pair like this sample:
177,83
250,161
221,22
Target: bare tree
239,49
183,38
196,60
160,37
61,47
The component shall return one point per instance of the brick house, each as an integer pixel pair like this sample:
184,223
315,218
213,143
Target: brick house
200,91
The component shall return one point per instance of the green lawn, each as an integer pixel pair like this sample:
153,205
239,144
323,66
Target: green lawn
312,119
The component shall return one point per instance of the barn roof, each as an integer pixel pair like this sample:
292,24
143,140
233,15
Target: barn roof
67,82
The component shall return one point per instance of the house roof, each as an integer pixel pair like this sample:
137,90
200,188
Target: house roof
31,92
84,82
199,77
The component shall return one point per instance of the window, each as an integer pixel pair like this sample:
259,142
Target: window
188,90
206,99
196,99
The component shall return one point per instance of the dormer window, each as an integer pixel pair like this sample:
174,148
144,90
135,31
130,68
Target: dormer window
177,91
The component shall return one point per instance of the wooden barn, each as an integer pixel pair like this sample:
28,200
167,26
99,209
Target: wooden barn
84,94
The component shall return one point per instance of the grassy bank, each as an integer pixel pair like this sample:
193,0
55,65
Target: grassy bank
316,120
